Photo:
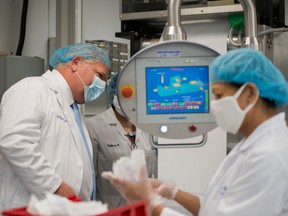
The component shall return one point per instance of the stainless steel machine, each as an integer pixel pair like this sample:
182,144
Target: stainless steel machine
165,89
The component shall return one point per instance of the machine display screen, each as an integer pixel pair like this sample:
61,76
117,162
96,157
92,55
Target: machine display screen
173,90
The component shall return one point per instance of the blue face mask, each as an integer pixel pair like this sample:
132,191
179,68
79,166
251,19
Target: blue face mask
95,89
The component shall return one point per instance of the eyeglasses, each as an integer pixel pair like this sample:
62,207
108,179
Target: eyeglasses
132,136
102,76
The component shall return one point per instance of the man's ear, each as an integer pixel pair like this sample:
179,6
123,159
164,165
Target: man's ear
75,63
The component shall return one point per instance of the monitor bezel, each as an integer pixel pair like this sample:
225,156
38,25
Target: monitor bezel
140,67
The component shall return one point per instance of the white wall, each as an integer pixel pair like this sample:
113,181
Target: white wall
101,20
37,30
10,15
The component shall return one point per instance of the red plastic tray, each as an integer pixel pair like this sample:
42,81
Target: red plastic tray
22,210
134,209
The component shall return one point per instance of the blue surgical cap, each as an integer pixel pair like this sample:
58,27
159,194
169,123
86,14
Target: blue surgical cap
85,50
112,87
246,65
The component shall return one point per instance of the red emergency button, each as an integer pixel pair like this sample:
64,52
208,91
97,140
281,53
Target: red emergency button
127,91
192,128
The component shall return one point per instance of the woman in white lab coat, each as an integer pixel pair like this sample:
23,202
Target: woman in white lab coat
41,147
114,136
253,179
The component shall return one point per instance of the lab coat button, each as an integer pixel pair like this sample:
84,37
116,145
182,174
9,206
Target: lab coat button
80,165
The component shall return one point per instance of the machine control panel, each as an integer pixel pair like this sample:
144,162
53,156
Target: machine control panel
165,89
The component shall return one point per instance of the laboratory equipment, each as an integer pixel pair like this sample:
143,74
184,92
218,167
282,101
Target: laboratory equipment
164,89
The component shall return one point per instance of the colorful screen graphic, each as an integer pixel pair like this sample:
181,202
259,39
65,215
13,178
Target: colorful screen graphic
172,90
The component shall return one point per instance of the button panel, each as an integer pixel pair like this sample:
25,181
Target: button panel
127,91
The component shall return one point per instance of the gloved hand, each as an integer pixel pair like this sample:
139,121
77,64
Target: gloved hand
165,189
135,191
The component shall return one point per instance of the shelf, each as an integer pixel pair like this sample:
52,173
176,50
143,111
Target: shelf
186,13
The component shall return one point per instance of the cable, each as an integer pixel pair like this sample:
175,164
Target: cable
272,30
22,28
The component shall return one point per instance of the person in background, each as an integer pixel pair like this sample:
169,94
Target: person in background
253,179
114,136
44,146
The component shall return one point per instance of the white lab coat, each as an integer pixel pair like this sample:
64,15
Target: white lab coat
253,179
110,144
40,143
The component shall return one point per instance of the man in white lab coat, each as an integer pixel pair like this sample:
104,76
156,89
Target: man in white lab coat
42,147
253,179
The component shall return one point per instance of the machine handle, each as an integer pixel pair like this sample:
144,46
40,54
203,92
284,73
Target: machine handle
154,141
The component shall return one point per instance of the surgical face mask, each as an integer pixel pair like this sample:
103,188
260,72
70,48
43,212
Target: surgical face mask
227,112
95,89
117,106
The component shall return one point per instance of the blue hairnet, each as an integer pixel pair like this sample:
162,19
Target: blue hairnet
247,65
85,50
112,87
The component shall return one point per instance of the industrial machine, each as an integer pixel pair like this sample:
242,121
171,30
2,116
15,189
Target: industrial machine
165,89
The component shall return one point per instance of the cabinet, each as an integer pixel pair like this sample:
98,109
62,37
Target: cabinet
15,68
